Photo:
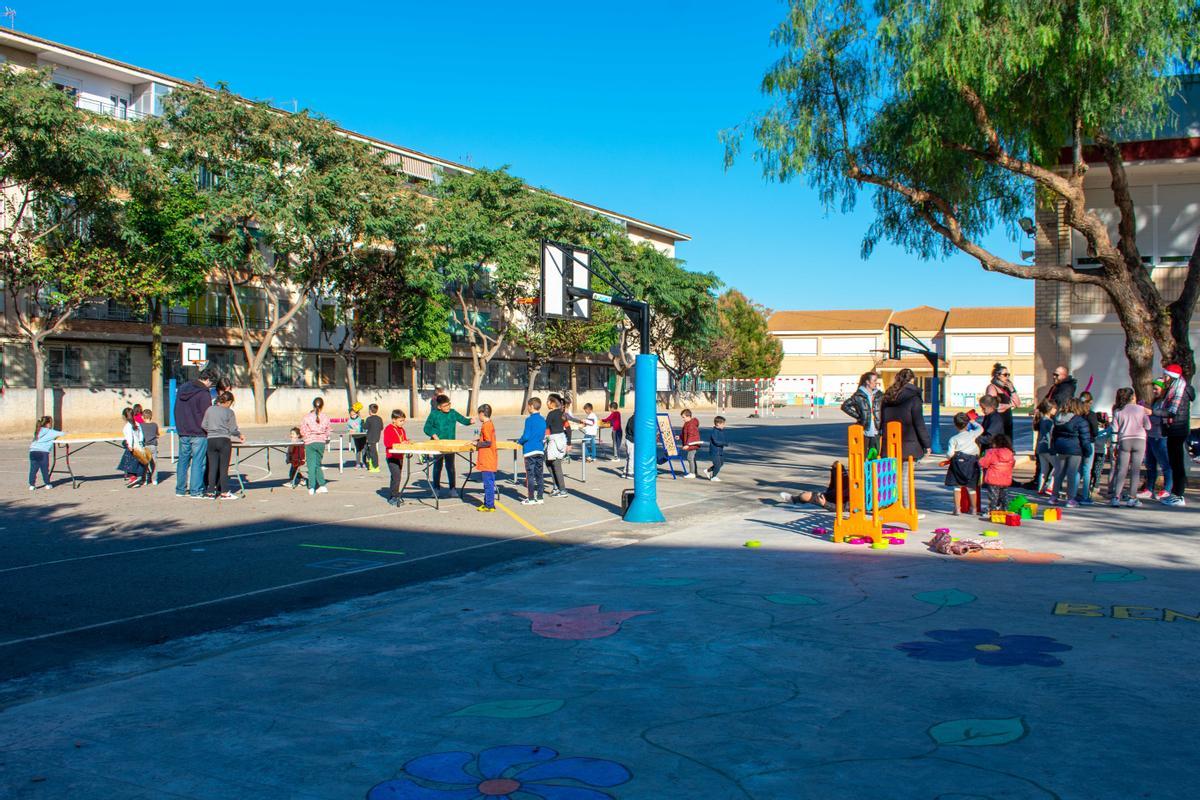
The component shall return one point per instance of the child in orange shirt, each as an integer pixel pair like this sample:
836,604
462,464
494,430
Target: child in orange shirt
487,457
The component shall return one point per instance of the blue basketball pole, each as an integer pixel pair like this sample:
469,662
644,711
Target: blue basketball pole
644,507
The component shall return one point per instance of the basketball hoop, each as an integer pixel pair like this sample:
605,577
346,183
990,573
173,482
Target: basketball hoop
527,301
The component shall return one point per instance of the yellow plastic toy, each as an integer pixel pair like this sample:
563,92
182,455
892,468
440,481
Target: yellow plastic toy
855,522
1052,515
1033,508
998,517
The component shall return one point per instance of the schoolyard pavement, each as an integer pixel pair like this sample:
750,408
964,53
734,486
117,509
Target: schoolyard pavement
682,665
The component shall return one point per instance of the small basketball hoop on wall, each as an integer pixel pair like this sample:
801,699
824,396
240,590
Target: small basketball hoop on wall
194,353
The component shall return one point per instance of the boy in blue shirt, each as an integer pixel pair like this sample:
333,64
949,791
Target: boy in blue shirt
532,445
716,448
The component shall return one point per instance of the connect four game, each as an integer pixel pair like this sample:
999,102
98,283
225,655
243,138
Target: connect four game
886,471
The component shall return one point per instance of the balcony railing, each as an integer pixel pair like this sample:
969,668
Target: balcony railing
114,110
116,313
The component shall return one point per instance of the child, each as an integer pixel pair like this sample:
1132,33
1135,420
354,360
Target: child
139,416
487,455
393,436
629,449
295,458
997,464
150,439
689,437
1067,440
220,424
39,452
567,418
354,427
591,431
556,444
613,420
532,444
130,464
1093,451
1130,422
1047,410
374,429
314,429
716,448
443,423
962,461
992,422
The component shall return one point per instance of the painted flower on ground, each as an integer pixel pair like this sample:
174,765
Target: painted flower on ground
583,622
511,772
986,647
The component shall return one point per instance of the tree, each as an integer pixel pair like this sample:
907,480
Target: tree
60,171
955,114
158,238
287,198
387,294
743,346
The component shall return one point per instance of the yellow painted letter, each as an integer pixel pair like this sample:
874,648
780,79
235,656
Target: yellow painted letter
1171,616
1077,610
1130,612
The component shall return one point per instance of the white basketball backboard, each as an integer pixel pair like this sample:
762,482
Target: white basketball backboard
193,352
562,267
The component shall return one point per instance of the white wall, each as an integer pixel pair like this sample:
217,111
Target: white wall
799,346
977,346
847,345
1100,352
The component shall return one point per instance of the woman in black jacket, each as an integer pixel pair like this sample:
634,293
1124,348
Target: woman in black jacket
902,402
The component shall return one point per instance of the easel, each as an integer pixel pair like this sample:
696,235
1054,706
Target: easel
856,521
666,437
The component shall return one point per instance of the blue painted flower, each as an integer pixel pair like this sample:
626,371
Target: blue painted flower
987,647
512,772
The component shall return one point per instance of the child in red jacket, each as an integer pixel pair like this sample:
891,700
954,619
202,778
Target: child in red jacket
997,464
689,437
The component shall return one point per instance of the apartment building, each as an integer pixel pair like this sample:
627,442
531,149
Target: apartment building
101,361
1076,324
825,351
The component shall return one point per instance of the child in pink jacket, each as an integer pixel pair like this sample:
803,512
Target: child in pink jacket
997,465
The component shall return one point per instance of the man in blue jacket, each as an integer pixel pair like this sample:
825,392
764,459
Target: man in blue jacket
191,401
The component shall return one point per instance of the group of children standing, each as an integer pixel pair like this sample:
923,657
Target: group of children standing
139,451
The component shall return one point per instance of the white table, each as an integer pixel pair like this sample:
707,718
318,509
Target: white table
73,445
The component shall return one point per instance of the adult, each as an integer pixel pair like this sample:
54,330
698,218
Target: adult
1130,422
191,401
438,391
1005,392
863,408
1060,392
1177,408
902,402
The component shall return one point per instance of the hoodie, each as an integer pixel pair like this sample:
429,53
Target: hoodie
1060,393
998,463
191,401
1070,434
533,436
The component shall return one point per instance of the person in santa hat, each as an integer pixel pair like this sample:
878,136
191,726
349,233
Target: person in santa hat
1177,406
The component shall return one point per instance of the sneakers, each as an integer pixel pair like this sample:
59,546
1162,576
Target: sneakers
1048,492
395,501
322,489
1146,494
529,501
1160,496
1115,502
1084,501
1072,504
714,479
560,493
373,469
787,498
1133,502
31,488
1174,500
708,473
486,509
690,475
230,496
312,490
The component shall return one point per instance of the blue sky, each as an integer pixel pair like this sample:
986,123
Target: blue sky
618,104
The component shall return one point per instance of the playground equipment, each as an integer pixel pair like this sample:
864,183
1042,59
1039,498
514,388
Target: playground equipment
882,490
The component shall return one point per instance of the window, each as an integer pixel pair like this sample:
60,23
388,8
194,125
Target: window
398,373
63,365
926,384
228,362
458,331
979,345
365,372
847,345
285,369
429,376
457,375
326,370
118,365
799,347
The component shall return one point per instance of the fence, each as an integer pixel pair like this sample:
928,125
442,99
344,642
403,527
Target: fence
756,394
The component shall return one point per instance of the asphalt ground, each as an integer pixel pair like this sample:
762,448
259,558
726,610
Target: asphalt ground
100,569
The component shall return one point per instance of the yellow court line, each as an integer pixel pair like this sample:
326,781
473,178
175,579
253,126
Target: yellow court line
522,522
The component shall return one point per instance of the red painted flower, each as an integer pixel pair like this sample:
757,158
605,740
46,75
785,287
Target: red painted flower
584,622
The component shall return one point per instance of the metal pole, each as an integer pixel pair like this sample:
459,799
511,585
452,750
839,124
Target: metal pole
935,438
644,507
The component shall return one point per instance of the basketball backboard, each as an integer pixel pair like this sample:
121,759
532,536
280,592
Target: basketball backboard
195,353
564,267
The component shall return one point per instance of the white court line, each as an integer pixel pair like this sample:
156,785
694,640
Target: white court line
306,582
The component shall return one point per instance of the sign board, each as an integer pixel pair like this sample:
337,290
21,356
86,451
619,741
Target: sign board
193,352
667,436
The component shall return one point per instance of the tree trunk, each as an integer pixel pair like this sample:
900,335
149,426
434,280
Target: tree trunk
412,389
351,381
574,382
156,364
531,374
39,376
258,379
477,374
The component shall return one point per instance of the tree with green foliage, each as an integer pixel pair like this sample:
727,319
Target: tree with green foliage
287,198
61,170
956,115
743,346
388,295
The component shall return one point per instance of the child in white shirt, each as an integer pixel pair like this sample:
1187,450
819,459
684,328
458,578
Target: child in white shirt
962,460
591,432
